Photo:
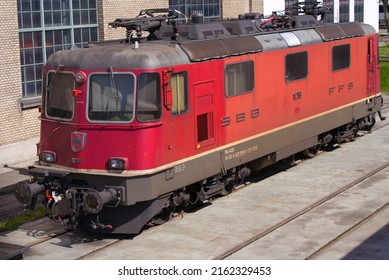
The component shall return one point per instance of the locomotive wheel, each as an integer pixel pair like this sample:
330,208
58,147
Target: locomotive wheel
289,161
229,188
162,217
311,152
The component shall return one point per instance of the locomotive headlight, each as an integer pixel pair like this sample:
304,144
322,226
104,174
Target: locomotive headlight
117,163
47,156
80,77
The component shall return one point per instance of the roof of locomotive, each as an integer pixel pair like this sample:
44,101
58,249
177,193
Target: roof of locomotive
120,56
204,41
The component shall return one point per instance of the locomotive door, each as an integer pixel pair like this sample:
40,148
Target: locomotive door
204,114
371,66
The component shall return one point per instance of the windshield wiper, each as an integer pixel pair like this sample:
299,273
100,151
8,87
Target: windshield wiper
113,84
56,71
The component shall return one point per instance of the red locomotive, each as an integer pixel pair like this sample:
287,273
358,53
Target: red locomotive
176,113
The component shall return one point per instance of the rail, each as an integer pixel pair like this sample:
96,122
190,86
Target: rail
384,58
302,212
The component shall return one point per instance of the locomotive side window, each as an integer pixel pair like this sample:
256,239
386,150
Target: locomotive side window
239,78
111,97
59,100
178,81
296,66
340,57
149,97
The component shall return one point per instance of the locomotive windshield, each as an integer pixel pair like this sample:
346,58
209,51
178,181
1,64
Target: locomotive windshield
111,97
59,100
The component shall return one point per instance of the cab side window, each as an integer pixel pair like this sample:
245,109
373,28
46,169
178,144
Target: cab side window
340,57
239,78
296,66
178,81
149,97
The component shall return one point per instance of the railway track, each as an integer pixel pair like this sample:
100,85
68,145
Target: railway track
384,58
311,207
9,207
6,214
357,226
47,240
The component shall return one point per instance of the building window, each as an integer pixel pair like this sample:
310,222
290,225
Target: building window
239,78
47,26
329,17
209,8
340,57
344,11
296,66
84,12
56,13
289,5
358,10
31,59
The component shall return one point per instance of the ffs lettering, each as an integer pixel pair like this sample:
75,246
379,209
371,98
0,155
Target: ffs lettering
341,88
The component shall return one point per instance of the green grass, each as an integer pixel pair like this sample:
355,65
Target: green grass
14,222
384,50
384,67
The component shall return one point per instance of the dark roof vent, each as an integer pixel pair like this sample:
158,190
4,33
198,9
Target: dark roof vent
304,21
207,31
241,27
251,16
197,18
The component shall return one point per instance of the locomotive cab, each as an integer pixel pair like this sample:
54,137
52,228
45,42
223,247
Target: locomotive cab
93,123
78,104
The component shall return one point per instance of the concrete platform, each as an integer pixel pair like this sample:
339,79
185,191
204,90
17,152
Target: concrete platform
11,251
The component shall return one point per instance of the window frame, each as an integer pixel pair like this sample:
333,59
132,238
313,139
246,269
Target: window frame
246,75
134,98
158,97
46,93
296,73
210,8
346,63
186,94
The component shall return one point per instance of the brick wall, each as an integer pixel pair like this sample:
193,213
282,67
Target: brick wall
257,6
232,8
16,125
